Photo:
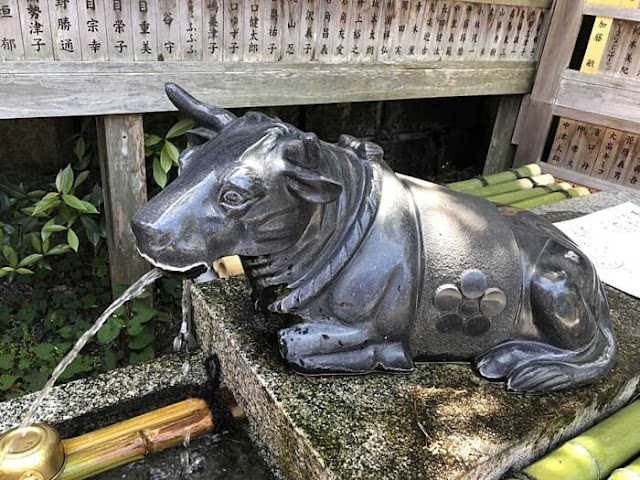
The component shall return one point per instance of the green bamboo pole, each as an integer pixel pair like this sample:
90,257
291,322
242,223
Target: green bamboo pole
512,186
511,197
114,451
630,472
595,453
551,198
500,177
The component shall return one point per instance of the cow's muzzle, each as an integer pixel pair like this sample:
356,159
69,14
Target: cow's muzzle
149,238
151,242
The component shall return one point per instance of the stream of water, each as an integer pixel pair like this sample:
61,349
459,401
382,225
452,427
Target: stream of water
182,341
133,291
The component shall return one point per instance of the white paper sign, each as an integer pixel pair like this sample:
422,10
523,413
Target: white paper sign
611,239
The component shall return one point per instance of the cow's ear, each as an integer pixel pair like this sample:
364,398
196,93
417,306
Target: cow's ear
312,186
200,135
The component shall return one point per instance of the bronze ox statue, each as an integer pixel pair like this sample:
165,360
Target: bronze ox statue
381,270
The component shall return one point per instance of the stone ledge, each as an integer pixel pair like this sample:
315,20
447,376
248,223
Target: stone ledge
440,422
72,400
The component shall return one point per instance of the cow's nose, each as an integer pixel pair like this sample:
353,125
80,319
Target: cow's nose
149,237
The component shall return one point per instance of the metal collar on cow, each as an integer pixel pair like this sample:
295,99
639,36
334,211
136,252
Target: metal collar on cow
215,118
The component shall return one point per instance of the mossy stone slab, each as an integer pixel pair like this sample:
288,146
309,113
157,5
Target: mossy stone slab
440,422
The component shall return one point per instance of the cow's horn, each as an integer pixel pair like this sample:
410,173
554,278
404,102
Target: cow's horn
212,117
303,152
312,149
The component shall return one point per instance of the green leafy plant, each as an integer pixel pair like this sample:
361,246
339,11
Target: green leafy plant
36,225
39,332
55,268
128,332
163,152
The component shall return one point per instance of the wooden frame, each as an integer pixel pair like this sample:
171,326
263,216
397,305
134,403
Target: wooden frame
604,100
36,89
117,89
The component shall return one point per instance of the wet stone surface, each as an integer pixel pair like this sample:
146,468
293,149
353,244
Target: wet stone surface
440,422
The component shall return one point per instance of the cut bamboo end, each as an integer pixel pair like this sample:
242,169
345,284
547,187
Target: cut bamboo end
496,178
161,416
230,401
544,179
228,267
581,191
630,472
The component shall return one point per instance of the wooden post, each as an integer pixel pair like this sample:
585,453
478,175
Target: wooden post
122,164
559,45
501,151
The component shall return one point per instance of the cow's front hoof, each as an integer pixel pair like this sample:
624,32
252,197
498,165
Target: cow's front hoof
395,357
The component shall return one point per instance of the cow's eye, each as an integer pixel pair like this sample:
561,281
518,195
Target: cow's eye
233,198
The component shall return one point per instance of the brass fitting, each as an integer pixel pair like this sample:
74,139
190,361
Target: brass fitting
32,453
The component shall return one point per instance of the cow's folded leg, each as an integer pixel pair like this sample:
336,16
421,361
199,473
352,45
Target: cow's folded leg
500,361
359,357
361,360
320,338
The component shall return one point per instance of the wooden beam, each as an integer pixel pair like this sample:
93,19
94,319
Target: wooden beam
594,118
581,179
122,165
535,131
601,96
519,3
135,88
522,114
501,151
612,12
558,49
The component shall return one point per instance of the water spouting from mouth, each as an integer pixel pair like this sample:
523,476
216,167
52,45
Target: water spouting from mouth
133,291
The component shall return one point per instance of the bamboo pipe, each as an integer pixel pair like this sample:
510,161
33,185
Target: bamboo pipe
96,459
513,186
510,197
496,178
100,458
595,453
165,415
551,198
228,267
630,472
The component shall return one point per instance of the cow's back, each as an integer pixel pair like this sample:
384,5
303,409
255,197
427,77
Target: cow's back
471,262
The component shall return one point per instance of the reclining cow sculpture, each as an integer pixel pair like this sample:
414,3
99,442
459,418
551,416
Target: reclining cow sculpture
382,270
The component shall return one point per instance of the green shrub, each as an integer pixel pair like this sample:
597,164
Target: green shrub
54,266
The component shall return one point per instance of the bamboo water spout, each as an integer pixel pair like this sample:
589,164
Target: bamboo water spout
38,453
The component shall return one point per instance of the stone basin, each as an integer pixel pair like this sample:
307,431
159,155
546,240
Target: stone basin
85,405
440,422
